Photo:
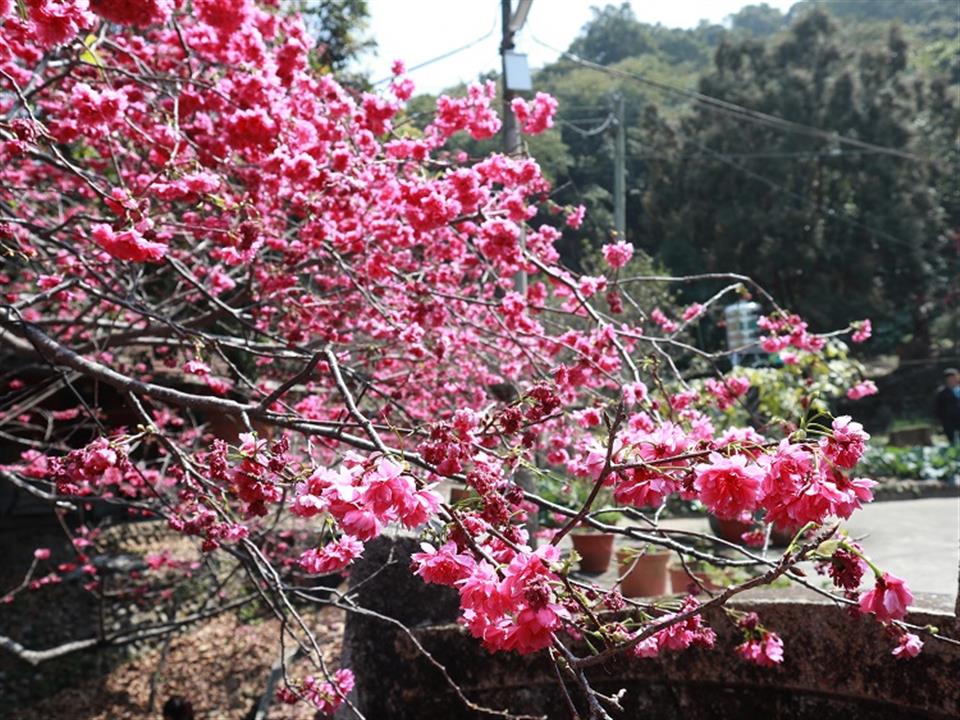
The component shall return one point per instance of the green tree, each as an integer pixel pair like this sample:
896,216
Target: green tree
338,28
838,233
612,35
758,20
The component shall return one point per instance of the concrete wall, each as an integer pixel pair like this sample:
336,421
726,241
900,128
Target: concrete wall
836,665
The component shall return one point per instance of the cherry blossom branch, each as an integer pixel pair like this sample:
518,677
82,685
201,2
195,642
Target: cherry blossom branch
782,566
36,657
601,478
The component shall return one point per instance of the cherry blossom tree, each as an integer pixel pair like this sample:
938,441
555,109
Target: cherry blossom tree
309,314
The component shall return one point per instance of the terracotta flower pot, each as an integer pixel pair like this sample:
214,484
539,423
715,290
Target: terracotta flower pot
458,494
730,530
782,537
733,530
643,575
595,550
681,580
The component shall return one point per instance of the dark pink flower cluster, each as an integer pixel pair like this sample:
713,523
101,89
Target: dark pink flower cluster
651,484
333,556
691,631
788,331
128,245
53,22
888,600
795,484
862,331
693,311
908,646
510,606
726,390
798,489
663,322
133,12
471,113
537,116
101,468
364,497
324,695
862,389
765,651
846,568
617,254
729,486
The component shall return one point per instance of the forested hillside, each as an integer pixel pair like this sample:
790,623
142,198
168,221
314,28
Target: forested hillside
781,146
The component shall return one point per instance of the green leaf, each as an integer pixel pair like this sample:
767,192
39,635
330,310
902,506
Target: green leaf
90,54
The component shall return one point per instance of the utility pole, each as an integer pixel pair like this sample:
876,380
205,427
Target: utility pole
619,172
511,134
510,24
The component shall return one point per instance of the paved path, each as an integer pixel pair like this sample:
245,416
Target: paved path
918,540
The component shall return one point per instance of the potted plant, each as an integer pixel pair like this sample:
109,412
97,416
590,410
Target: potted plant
695,574
734,530
459,494
731,530
643,571
594,547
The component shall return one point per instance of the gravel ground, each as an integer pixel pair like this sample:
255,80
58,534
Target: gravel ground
221,666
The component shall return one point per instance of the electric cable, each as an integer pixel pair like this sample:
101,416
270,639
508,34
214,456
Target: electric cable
729,108
447,54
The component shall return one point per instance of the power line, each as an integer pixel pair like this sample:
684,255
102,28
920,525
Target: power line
445,55
831,213
765,154
727,158
739,111
784,154
594,131
832,153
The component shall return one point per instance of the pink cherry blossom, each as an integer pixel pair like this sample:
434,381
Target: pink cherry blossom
133,12
127,244
765,652
333,556
692,311
846,445
862,331
444,566
574,219
728,486
54,22
537,116
862,389
617,254
666,324
909,646
889,599
240,240
196,367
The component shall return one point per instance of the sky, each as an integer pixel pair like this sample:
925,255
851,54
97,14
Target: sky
418,30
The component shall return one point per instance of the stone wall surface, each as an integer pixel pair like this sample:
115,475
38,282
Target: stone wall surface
836,666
